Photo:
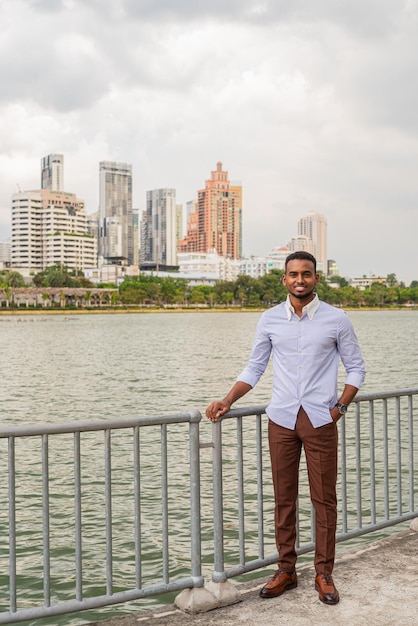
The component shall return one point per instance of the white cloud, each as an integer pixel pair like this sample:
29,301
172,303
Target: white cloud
310,104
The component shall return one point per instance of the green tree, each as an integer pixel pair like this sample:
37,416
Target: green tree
54,276
391,280
324,290
223,292
201,294
272,288
84,282
348,296
172,290
132,295
14,279
247,289
339,280
153,291
413,294
375,295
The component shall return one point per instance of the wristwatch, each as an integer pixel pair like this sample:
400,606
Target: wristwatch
342,408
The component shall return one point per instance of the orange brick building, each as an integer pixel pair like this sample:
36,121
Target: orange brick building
217,221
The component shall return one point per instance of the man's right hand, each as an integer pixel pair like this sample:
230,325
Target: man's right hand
216,410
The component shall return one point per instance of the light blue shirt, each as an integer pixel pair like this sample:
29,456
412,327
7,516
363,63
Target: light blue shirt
305,353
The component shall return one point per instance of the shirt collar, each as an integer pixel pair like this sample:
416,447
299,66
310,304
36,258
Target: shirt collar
310,309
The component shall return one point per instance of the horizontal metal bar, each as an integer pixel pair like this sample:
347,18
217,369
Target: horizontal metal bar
255,564
99,601
31,430
361,397
370,528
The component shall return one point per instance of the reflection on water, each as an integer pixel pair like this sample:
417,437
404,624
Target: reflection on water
103,366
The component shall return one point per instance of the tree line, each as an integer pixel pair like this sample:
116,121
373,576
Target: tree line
245,291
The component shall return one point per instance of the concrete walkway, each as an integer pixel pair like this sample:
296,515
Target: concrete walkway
378,586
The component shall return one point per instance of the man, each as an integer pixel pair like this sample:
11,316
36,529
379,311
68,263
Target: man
306,338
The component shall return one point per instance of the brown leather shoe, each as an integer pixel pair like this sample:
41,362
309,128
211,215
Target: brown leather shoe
281,582
326,589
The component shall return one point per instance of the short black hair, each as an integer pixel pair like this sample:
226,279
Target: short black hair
301,255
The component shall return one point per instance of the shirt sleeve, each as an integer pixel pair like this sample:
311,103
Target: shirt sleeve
259,357
350,353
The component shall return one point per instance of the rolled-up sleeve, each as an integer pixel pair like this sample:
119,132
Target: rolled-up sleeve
259,357
350,353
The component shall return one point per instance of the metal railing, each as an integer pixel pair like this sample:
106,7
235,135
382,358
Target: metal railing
377,481
109,511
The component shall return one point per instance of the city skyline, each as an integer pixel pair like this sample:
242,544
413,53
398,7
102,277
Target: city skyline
312,107
115,208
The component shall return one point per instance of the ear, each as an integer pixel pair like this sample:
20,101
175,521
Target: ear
316,279
284,279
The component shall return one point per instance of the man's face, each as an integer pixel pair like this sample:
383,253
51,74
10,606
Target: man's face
300,279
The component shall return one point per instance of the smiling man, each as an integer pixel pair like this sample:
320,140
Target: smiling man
306,339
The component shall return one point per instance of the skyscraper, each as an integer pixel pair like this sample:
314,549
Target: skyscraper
314,226
217,224
52,172
116,203
159,229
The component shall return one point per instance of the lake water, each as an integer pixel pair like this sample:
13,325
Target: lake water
87,366
77,367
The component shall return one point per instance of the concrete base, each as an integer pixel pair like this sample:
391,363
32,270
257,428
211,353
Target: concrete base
226,593
196,600
414,524
203,599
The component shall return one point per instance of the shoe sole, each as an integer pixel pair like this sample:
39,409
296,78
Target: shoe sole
276,595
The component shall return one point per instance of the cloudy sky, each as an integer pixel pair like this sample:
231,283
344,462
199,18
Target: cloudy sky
311,104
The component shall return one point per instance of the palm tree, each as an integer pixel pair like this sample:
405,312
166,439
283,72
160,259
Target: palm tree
15,279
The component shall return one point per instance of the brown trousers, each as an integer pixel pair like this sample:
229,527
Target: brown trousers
321,449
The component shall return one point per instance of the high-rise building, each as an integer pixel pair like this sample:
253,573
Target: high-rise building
50,228
5,254
116,203
217,224
314,226
302,242
52,172
179,222
135,235
333,269
159,229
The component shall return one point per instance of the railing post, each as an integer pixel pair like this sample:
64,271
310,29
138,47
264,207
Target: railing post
198,599
225,592
12,523
411,453
196,539
219,574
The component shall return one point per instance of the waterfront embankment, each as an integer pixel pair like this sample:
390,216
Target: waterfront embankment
377,584
13,313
